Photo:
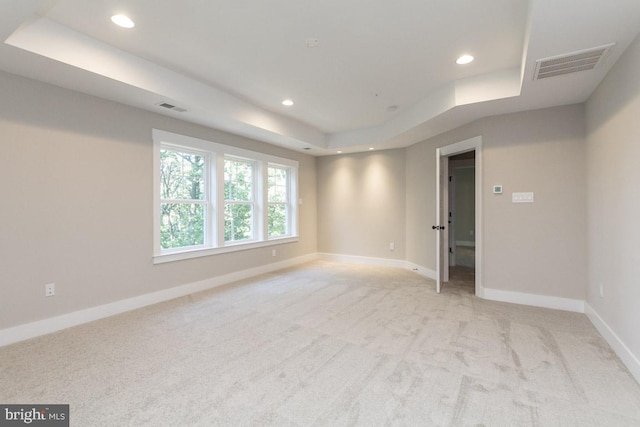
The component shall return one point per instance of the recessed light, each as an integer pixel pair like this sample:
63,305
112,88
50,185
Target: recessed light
287,102
123,21
464,59
371,148
339,151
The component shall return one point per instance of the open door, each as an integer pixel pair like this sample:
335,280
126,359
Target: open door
442,263
442,210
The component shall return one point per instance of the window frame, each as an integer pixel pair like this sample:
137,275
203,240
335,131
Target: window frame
255,234
215,154
288,203
206,201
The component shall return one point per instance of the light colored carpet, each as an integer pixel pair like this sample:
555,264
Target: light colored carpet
328,344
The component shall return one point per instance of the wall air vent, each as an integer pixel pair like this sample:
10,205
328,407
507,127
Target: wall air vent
171,107
571,62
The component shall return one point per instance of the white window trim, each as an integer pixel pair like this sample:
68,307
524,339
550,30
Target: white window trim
216,154
207,201
290,203
256,229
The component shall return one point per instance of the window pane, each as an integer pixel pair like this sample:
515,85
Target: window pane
182,225
278,185
277,220
181,175
238,180
238,219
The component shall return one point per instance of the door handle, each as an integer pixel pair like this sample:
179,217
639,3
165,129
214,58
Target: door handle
437,227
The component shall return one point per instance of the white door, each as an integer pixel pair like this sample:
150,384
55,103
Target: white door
442,263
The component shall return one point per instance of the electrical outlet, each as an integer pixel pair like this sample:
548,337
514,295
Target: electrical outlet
392,246
49,289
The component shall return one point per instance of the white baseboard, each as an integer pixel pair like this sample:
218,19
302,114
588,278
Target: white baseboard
423,271
383,262
54,324
545,301
628,358
354,259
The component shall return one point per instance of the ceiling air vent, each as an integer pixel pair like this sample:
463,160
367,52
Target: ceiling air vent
171,107
571,62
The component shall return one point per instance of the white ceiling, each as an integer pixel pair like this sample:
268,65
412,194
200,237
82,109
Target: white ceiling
230,63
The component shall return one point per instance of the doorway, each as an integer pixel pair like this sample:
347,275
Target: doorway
459,240
461,219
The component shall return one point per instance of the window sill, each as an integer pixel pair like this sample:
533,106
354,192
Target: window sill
235,247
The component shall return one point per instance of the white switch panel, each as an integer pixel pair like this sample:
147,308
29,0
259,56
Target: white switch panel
522,197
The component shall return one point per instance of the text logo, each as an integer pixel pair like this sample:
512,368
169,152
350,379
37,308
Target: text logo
34,415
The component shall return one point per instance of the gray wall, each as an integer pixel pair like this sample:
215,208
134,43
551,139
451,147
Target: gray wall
613,137
537,248
76,185
361,204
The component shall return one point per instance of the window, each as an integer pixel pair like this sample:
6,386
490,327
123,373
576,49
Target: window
278,201
211,198
238,200
183,198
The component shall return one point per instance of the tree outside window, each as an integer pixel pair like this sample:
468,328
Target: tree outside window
238,200
212,198
278,201
183,199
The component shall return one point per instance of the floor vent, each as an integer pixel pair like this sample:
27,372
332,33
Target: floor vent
571,62
171,107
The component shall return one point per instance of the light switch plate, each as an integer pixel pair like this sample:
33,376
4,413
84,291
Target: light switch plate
497,189
522,197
